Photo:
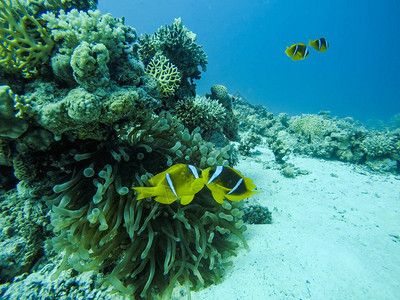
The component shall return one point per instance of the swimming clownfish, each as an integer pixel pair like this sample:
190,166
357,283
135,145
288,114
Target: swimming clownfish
182,182
297,51
227,183
320,44
179,181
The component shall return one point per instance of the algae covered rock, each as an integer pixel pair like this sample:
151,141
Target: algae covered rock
82,106
89,66
22,222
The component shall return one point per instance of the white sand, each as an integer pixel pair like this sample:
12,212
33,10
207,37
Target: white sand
331,237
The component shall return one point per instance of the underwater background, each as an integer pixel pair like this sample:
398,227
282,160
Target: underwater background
245,42
142,160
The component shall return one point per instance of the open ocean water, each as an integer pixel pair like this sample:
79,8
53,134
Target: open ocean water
245,42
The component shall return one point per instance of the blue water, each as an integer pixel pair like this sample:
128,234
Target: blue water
358,76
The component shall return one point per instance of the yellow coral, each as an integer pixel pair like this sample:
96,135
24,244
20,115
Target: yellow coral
24,42
166,73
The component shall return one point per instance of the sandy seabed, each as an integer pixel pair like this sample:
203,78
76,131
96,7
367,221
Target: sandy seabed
335,235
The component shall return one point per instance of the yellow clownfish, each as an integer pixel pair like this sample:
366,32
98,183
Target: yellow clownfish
297,51
320,44
182,182
227,183
177,182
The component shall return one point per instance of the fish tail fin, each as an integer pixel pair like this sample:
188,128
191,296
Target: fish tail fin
144,192
309,42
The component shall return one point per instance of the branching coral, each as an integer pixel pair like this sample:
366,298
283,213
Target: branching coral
166,73
311,127
378,145
24,41
177,43
144,247
201,112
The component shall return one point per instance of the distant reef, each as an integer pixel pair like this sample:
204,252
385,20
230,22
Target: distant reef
317,135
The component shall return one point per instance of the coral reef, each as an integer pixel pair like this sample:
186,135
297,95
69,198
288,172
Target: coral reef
22,223
80,36
91,124
378,145
319,135
89,66
230,126
249,141
97,219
